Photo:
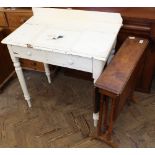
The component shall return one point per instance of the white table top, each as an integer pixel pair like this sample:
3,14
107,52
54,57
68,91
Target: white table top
84,33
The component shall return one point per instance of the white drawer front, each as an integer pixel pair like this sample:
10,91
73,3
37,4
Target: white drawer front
28,53
70,61
54,58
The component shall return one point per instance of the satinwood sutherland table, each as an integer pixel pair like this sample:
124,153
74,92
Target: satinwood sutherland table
81,40
117,83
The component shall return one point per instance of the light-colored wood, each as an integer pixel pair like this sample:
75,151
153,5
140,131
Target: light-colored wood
15,19
3,21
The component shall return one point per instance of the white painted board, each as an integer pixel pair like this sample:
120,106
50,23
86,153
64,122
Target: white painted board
85,33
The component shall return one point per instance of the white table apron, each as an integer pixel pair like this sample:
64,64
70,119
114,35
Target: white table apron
93,63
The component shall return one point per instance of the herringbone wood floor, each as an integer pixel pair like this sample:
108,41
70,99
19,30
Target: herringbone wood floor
61,115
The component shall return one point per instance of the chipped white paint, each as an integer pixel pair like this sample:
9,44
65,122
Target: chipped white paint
76,39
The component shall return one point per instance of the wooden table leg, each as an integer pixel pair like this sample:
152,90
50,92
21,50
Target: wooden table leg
111,119
99,127
105,113
107,126
96,99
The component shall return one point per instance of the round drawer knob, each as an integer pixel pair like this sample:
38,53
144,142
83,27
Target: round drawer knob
70,62
29,53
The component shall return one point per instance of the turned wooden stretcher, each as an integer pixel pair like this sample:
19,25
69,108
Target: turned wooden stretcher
116,84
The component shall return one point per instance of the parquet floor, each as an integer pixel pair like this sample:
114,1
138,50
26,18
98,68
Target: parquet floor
61,115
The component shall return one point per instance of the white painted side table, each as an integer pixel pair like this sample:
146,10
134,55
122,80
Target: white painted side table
81,40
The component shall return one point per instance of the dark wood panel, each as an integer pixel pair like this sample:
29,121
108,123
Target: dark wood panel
117,73
137,13
6,67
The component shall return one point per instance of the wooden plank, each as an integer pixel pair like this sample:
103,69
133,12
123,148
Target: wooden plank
117,73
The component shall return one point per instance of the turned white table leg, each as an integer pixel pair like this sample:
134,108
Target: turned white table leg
47,72
21,79
95,118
